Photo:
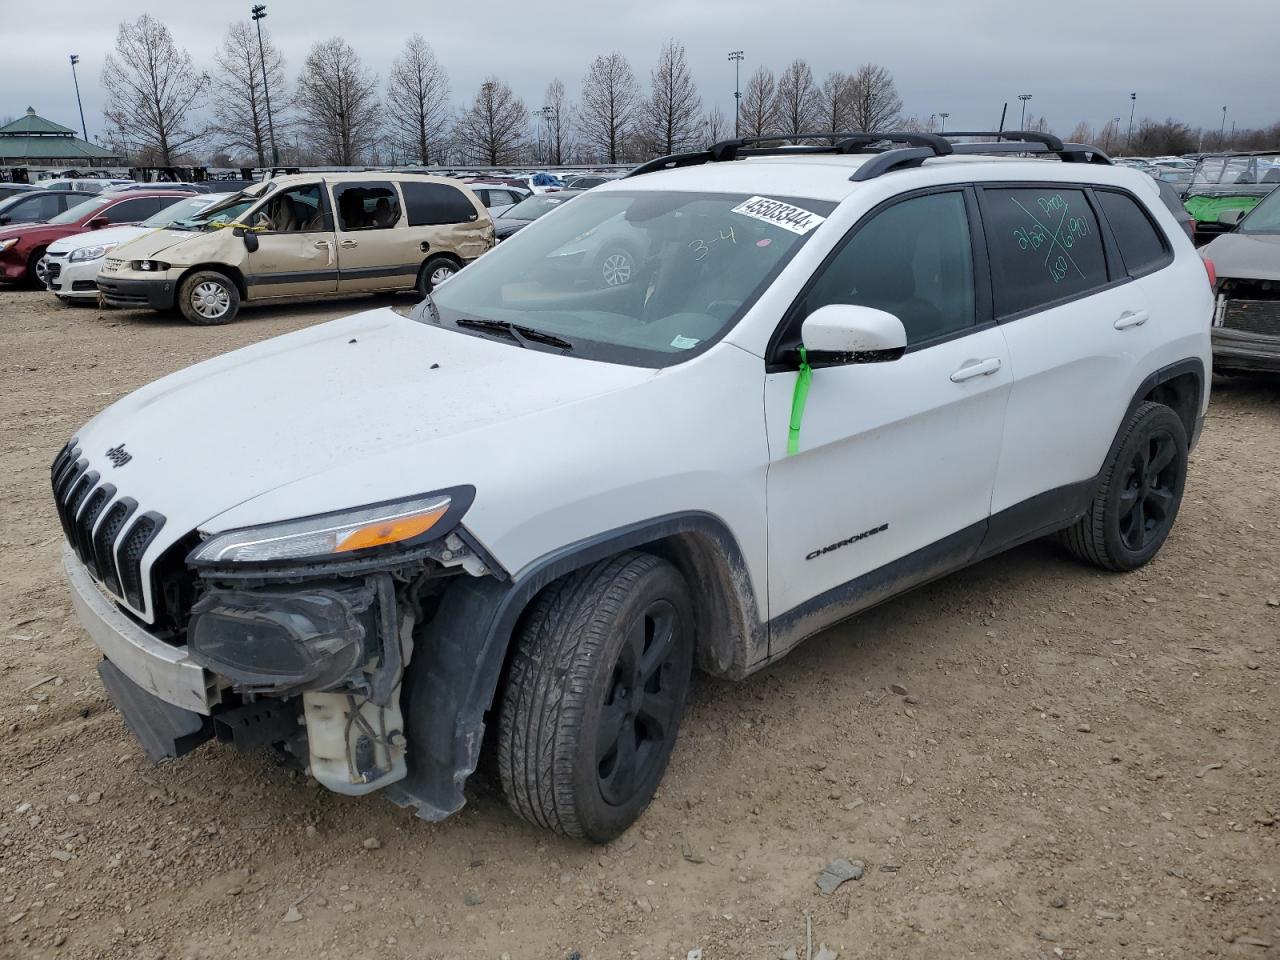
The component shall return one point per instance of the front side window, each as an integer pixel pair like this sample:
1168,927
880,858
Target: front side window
431,204
295,210
367,206
1045,246
644,277
913,260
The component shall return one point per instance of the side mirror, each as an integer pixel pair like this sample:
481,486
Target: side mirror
1231,218
841,333
97,223
249,237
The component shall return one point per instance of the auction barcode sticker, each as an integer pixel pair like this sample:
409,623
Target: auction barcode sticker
784,215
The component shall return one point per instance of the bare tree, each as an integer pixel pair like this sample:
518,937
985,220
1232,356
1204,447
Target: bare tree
152,91
559,123
757,113
1081,133
714,126
874,103
796,103
609,101
337,100
493,128
833,101
673,112
239,96
418,101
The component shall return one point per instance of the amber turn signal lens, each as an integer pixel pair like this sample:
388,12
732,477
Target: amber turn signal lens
391,531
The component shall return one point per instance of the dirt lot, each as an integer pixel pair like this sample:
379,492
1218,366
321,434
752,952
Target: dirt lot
1083,765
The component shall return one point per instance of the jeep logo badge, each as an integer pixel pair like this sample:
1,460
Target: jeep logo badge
118,456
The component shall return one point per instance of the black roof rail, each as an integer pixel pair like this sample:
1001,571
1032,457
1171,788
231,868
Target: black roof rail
919,148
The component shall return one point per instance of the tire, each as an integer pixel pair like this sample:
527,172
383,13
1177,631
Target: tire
577,708
208,298
614,267
434,272
33,277
1138,499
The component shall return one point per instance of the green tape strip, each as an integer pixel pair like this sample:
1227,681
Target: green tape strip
798,400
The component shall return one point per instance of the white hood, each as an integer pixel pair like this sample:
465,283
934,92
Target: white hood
368,402
92,238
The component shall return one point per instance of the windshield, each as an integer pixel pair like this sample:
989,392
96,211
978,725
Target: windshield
80,210
531,208
635,277
1265,217
182,210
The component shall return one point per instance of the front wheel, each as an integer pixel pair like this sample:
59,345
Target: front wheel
207,298
1137,502
594,696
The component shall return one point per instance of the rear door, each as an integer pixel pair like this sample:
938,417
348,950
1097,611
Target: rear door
443,219
296,255
1075,322
374,249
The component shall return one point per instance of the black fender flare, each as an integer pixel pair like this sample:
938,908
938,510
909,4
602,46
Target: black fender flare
452,679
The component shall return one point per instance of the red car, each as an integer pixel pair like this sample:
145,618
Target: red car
23,244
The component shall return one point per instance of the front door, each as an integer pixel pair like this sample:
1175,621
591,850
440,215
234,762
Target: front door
892,480
296,255
372,238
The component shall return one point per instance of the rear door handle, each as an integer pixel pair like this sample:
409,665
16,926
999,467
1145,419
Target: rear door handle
1131,318
976,368
349,244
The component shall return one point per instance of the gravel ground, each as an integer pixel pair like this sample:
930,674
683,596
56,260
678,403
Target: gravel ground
1081,765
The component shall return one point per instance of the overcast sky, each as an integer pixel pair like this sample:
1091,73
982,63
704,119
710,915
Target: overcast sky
1079,60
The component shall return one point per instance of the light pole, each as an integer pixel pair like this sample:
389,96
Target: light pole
1024,97
546,114
1222,130
944,122
1112,127
736,57
259,11
85,130
1133,102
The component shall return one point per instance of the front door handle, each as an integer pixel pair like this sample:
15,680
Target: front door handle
1131,318
976,368
322,244
349,244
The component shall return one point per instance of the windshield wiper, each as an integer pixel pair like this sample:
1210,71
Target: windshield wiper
521,335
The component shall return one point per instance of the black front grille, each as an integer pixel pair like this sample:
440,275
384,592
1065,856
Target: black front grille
1253,316
55,269
107,533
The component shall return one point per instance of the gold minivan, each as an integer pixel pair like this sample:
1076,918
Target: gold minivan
302,235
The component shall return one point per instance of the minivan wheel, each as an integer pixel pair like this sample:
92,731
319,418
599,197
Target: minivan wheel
435,272
1137,502
594,696
207,298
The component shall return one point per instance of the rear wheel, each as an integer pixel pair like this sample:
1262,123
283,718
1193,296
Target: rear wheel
208,298
435,272
1137,502
594,696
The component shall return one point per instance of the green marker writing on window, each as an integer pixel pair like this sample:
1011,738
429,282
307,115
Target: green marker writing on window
798,400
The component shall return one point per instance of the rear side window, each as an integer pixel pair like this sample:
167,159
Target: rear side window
367,206
430,204
1142,247
1045,246
139,208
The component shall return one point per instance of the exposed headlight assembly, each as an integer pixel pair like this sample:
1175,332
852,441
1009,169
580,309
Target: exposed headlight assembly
90,253
347,534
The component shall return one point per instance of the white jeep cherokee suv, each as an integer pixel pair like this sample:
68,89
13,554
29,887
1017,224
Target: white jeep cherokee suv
534,504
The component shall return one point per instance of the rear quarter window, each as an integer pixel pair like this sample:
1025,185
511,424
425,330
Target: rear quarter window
1045,246
1143,248
432,204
